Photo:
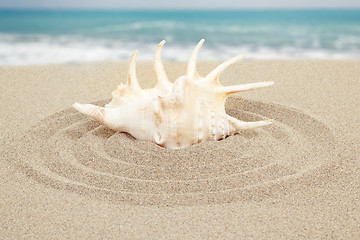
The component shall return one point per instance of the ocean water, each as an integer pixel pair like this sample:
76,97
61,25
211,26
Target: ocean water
54,36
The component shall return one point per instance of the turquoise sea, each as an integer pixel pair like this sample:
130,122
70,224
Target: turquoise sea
62,36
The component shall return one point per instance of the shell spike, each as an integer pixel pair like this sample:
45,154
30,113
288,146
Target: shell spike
91,110
132,82
242,88
212,77
162,79
191,68
241,125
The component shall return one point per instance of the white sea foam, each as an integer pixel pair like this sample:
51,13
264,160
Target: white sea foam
43,49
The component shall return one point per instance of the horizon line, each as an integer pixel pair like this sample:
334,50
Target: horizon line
182,9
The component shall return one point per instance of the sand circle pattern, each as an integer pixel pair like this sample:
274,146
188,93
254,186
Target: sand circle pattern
72,152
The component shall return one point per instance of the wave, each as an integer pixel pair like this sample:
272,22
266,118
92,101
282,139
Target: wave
141,25
47,49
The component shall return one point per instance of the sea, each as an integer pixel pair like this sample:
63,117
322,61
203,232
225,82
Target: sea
77,36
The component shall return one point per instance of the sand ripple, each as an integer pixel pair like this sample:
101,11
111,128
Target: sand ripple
69,151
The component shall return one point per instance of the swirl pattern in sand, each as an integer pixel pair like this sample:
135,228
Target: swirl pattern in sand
69,151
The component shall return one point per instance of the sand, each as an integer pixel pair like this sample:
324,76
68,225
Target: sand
63,176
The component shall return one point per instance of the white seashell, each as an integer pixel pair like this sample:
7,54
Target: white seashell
174,115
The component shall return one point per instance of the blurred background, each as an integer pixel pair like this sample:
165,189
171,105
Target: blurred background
40,32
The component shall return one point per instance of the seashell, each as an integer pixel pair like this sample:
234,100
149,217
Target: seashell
174,115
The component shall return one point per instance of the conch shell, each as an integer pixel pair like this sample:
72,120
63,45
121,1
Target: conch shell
174,115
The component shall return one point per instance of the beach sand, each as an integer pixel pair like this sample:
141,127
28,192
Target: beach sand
63,176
